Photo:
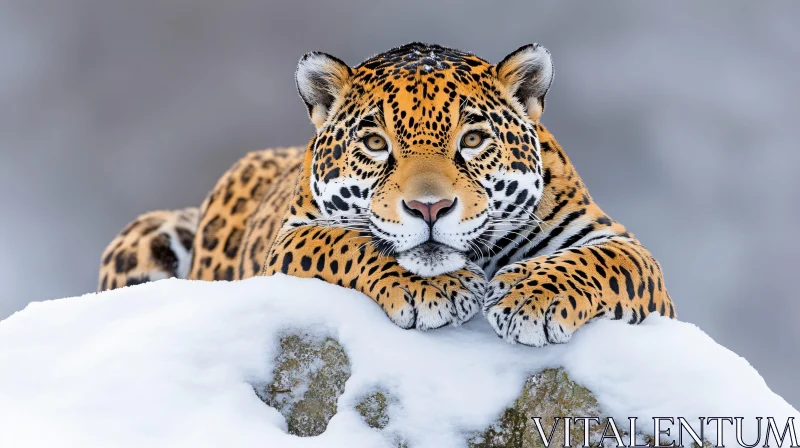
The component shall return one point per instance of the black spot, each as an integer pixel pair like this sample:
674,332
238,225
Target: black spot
247,174
521,197
519,166
604,220
125,261
512,187
612,282
339,203
332,174
231,248
287,261
129,227
305,263
321,262
186,237
618,311
550,287
137,280
239,206
608,252
210,230
152,226
162,254
628,283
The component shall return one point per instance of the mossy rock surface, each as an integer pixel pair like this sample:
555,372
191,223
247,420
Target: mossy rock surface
373,409
310,374
547,394
309,377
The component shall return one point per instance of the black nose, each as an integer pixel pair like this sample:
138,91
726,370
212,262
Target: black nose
429,212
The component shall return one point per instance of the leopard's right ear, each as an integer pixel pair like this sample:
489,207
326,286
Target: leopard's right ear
527,74
320,80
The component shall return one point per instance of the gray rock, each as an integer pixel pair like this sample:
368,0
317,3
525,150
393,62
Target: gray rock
373,409
310,374
547,394
308,379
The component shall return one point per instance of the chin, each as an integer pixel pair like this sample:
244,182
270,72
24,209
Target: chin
431,259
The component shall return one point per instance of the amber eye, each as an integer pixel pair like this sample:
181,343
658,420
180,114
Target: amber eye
375,142
471,140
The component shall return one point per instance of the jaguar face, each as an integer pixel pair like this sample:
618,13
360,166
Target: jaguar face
426,149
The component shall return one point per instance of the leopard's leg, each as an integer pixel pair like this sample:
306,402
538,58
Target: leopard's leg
156,245
346,258
545,299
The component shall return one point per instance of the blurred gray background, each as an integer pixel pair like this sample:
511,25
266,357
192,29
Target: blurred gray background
681,118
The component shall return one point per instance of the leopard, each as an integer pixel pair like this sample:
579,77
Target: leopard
431,186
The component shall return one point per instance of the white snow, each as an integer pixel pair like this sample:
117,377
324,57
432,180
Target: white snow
170,364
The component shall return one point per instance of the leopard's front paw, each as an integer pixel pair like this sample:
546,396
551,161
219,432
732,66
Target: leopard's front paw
432,302
525,308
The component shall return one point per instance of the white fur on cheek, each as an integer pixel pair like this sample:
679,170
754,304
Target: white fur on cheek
356,204
430,260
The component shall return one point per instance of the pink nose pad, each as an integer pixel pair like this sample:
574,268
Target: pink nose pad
429,212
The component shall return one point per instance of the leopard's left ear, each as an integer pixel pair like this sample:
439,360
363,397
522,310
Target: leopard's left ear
527,73
320,80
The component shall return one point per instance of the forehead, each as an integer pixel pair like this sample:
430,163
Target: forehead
411,59
422,73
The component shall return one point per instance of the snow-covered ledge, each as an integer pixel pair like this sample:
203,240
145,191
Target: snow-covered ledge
175,364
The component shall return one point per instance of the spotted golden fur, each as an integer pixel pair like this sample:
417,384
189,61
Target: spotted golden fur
431,187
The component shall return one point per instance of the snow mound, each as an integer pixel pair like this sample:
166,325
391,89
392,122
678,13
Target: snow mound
172,363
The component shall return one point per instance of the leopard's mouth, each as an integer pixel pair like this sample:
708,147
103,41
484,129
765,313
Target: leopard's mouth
433,247
432,258
430,245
